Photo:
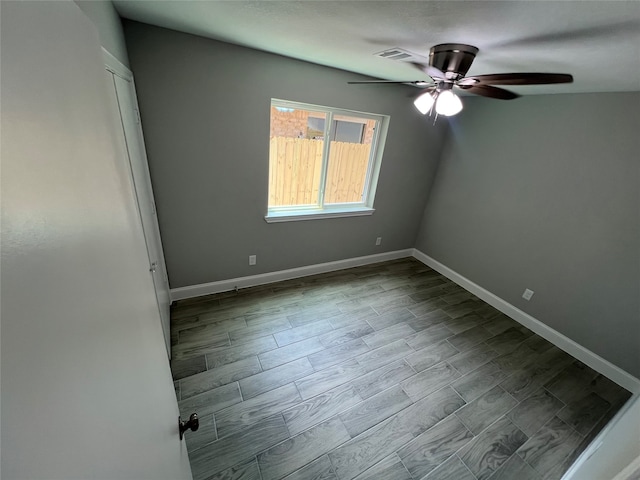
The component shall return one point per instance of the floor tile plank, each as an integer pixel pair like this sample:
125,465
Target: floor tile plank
319,469
462,322
492,448
218,376
293,351
549,446
486,409
365,450
540,370
609,390
318,382
244,471
533,412
463,309
585,412
206,345
231,450
388,335
365,415
320,408
481,380
515,468
205,330
241,415
259,329
303,332
572,383
429,306
382,378
473,358
312,315
346,334
507,341
337,354
500,322
430,410
388,319
211,401
430,449
276,377
516,359
451,469
470,338
389,468
430,380
384,355
226,355
305,447
429,336
346,319
188,366
384,305
431,355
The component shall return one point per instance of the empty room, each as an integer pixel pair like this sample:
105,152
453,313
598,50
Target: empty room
334,240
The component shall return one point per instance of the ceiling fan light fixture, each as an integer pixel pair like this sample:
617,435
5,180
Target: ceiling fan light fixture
424,102
448,104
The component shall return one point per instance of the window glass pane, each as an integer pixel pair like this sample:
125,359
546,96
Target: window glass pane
349,154
295,156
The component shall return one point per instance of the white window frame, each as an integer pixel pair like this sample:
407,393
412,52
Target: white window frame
313,212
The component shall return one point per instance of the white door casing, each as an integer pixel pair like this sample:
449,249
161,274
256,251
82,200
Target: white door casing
86,383
124,98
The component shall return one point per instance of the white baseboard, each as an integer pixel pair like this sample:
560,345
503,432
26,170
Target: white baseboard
271,277
586,356
574,349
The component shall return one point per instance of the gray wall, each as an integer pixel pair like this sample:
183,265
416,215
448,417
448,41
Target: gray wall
104,16
543,193
82,347
205,114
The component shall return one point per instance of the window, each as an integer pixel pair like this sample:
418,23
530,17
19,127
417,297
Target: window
323,162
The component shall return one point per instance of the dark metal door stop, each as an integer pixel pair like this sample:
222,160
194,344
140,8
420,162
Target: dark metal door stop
193,424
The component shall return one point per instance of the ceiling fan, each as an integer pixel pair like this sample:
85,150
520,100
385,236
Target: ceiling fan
448,65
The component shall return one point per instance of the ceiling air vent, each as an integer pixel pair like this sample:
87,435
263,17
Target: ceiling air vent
400,54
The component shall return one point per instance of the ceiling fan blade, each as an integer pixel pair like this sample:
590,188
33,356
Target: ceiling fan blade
433,72
489,91
517,79
419,83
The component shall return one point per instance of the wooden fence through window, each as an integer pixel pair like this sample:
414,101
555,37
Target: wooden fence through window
295,167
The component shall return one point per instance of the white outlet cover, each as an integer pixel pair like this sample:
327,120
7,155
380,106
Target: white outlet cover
527,294
252,259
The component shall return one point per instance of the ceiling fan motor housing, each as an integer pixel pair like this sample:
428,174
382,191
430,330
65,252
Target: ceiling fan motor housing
454,58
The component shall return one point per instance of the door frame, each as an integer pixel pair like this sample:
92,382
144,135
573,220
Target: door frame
114,66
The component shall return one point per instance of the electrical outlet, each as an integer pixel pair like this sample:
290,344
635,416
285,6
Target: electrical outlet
378,240
527,294
252,259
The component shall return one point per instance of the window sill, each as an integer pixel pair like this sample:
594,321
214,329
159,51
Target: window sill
277,217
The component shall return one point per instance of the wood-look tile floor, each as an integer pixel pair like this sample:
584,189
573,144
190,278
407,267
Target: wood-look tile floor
388,371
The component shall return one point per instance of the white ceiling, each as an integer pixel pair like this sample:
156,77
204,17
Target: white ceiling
598,42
